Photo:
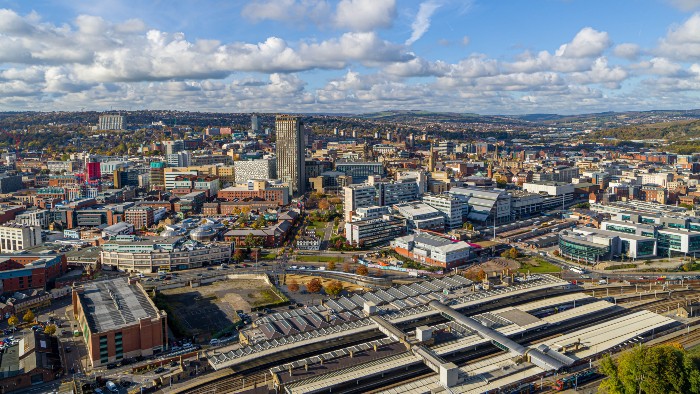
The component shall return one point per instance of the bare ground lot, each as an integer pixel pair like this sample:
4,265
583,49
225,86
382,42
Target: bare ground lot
210,308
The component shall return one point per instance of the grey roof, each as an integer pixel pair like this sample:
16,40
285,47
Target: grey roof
113,304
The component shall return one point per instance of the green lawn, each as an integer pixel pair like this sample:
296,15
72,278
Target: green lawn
538,266
320,259
269,256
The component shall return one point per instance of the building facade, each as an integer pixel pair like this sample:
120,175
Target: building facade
15,237
111,122
245,170
290,150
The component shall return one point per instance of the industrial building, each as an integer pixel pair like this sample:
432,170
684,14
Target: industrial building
118,320
433,250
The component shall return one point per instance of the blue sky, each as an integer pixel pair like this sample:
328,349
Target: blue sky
350,56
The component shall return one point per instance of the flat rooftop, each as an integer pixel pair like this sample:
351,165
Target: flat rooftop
114,304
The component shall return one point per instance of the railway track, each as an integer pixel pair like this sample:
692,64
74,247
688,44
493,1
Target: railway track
232,384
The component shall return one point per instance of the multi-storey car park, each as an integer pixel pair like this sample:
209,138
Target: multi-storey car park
429,333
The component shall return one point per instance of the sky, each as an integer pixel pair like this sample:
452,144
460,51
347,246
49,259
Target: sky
350,56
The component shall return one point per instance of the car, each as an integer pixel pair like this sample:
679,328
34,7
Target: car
174,364
125,383
111,365
112,387
159,370
200,274
68,349
214,342
210,268
99,391
299,304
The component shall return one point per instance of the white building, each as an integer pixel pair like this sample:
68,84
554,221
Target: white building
111,122
390,193
357,196
179,159
433,250
15,237
421,216
38,217
550,188
450,207
245,170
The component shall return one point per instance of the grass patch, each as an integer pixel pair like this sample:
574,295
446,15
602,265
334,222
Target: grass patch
319,259
268,297
620,266
538,266
269,256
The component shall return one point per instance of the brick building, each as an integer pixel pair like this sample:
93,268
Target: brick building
118,320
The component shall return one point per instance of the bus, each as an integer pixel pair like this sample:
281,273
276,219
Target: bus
578,270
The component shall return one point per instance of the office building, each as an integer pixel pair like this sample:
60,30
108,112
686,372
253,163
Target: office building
30,271
245,170
290,152
111,122
433,250
15,237
174,146
421,216
254,123
139,217
360,171
450,207
179,159
390,193
484,205
36,217
153,254
357,196
58,167
10,183
259,190
118,320
156,179
375,231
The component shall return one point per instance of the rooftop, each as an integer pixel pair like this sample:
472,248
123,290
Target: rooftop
114,304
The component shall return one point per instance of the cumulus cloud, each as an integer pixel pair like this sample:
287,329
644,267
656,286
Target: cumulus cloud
587,43
627,51
682,42
365,15
422,22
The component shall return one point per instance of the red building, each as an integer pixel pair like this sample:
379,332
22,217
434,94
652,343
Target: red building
22,272
92,171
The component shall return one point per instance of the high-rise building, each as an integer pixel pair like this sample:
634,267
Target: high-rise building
93,171
254,123
111,122
290,152
179,159
157,178
175,146
15,237
358,196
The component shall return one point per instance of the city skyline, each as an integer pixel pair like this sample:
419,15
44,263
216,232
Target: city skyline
350,56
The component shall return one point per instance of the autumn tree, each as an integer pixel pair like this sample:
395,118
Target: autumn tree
333,288
50,329
324,204
313,286
29,316
331,265
293,286
238,255
346,267
362,270
656,369
13,320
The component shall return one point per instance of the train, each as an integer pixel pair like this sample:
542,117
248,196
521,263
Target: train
575,379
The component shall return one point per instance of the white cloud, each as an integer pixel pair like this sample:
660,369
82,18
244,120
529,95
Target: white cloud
682,42
627,51
287,10
587,43
365,15
685,5
422,22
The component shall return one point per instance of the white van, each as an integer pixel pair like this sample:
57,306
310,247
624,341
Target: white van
214,342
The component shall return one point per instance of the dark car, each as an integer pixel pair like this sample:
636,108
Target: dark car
159,370
125,383
174,364
111,366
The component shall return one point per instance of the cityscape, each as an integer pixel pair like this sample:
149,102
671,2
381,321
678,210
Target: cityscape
349,196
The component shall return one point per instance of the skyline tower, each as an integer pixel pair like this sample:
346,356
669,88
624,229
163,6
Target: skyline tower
290,152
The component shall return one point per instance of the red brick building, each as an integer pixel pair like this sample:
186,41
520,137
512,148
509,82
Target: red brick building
118,320
22,272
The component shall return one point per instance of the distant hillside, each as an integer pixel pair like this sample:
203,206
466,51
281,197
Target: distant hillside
446,117
672,131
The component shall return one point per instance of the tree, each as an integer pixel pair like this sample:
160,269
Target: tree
511,253
331,265
468,226
293,286
313,286
50,329
362,270
556,253
29,316
333,288
255,254
13,320
656,369
346,267
324,204
249,240
238,255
